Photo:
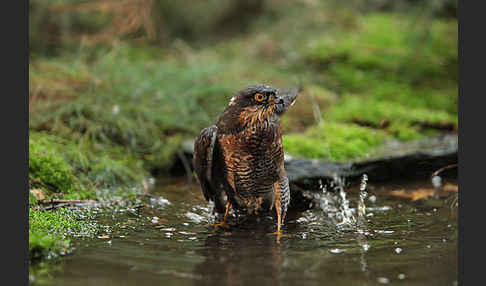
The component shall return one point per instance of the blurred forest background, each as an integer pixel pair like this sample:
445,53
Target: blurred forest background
116,86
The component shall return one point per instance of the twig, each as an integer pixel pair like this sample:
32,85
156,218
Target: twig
66,201
443,168
55,206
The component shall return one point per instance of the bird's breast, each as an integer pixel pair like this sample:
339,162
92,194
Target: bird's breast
253,161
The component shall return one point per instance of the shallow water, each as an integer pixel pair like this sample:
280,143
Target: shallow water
169,241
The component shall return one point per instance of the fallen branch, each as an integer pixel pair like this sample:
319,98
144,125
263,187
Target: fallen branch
66,201
55,204
443,169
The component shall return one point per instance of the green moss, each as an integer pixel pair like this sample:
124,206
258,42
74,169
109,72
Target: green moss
48,168
60,166
400,70
398,46
375,111
404,131
41,244
402,121
333,141
50,231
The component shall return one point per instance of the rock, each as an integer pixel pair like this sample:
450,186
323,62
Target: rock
395,160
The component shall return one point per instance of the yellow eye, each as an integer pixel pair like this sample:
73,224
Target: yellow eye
259,97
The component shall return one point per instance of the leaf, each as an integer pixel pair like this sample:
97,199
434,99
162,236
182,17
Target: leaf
450,188
414,195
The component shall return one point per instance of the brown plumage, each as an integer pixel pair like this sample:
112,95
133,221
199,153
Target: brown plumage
239,162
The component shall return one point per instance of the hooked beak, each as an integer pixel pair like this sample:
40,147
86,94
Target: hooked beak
285,99
279,100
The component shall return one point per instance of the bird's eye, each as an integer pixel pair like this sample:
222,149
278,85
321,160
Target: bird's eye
259,97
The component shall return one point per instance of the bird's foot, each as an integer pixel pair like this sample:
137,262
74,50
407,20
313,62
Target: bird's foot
222,224
280,234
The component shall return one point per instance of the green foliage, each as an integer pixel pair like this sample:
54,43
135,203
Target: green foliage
333,141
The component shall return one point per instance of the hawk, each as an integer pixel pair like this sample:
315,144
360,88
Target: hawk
239,161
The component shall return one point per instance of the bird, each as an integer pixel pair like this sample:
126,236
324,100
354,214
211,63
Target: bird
239,161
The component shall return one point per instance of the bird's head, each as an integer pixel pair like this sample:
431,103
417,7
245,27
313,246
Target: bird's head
258,103
263,97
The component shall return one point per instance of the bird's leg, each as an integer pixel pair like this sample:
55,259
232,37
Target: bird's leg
223,223
278,209
279,219
279,215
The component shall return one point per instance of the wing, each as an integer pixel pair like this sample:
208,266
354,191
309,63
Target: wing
203,160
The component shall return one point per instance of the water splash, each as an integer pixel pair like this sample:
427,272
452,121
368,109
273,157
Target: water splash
345,212
361,217
335,203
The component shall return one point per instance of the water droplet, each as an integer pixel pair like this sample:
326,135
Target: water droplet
336,250
160,201
186,232
436,181
194,217
384,231
366,247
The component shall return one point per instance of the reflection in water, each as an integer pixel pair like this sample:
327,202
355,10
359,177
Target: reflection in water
243,256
